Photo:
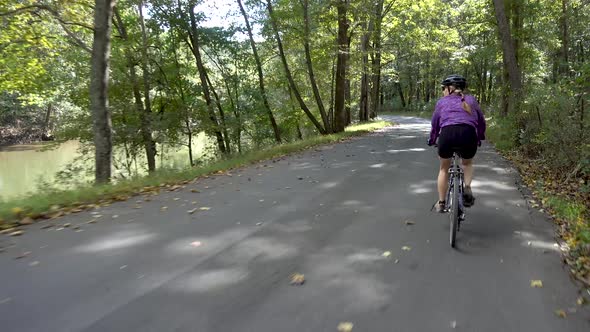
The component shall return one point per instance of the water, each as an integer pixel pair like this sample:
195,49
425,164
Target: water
23,166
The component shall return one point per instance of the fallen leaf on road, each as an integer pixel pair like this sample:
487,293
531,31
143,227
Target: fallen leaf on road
581,300
204,208
386,254
258,224
536,283
122,267
66,225
163,208
35,263
23,255
345,327
396,261
194,202
196,243
194,191
192,211
261,200
297,279
560,313
16,233
26,221
406,248
56,215
176,199
409,222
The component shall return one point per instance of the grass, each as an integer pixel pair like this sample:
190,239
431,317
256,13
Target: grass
53,202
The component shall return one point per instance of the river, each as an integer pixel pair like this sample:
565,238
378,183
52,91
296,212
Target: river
22,167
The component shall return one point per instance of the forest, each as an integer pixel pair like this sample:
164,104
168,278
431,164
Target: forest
127,77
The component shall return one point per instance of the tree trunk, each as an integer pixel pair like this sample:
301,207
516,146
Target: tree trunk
564,65
401,93
271,117
376,72
340,93
150,145
146,135
99,79
509,57
302,104
364,95
312,80
189,133
332,87
196,49
47,119
221,116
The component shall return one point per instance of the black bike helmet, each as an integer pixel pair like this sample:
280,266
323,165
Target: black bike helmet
455,80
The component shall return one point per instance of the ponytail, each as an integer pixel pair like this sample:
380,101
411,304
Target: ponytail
464,104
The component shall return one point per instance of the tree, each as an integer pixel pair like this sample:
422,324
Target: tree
99,79
343,49
511,68
290,79
271,117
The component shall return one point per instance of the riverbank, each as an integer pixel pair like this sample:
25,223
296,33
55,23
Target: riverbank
13,136
46,205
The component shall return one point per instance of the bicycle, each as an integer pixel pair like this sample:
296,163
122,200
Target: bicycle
454,199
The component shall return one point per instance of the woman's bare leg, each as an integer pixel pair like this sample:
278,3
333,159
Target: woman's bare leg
467,171
443,178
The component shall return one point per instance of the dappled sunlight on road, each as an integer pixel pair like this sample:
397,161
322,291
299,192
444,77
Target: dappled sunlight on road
115,241
531,240
210,280
346,272
381,165
209,243
302,166
407,150
259,248
352,203
423,187
486,186
328,185
498,170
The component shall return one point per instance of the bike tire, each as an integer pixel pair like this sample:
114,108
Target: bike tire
454,210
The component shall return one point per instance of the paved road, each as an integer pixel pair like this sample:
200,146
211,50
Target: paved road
329,214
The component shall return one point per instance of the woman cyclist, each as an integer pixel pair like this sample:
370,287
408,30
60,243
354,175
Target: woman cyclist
459,126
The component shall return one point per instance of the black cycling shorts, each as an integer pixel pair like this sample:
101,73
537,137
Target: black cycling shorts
461,138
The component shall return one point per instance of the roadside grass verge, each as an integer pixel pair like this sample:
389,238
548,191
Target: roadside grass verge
54,203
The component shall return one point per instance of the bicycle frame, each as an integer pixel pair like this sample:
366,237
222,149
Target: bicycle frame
454,199
455,170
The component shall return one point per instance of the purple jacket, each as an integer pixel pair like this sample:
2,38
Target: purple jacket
448,111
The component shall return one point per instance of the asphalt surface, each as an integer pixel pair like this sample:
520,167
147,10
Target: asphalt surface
331,214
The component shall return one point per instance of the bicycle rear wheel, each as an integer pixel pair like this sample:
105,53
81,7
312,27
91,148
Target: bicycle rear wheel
454,209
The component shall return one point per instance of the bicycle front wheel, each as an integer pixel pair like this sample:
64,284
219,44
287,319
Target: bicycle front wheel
454,210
